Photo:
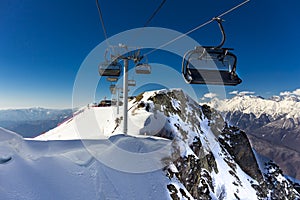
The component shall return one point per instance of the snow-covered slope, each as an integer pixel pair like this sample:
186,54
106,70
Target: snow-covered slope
95,123
102,122
188,153
32,170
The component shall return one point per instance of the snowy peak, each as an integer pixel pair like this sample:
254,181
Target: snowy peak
272,124
180,112
150,113
292,96
277,106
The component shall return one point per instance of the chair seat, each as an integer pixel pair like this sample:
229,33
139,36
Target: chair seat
211,77
109,72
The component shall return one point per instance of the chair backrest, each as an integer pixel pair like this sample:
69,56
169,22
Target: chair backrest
113,89
131,83
143,68
112,79
112,69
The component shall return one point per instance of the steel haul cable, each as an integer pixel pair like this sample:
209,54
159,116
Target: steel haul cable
154,13
102,21
198,27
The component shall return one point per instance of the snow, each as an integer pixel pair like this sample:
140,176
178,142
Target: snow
66,170
175,104
267,169
94,122
100,122
222,178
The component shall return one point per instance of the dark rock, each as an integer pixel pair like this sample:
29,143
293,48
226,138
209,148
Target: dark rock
238,145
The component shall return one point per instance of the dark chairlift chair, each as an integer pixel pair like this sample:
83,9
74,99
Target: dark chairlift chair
113,88
112,69
211,65
131,82
112,79
143,68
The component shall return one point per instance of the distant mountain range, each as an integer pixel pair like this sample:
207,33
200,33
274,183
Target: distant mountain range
273,125
33,121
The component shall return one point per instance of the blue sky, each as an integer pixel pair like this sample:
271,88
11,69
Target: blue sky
43,43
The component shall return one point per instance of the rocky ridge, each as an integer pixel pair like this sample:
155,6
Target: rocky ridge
211,159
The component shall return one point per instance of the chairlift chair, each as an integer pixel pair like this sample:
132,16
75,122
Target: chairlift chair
112,79
104,103
114,102
112,69
122,92
113,88
143,68
131,82
217,64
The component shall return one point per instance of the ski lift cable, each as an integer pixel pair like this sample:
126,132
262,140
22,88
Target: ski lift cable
103,25
198,27
155,12
101,19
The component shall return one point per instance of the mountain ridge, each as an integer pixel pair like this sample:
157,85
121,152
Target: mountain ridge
210,159
275,107
273,121
32,122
